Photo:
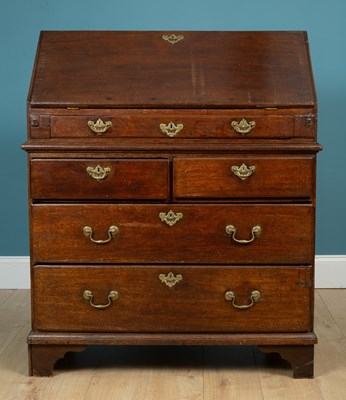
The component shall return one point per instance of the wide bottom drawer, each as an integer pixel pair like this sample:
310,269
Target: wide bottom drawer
172,299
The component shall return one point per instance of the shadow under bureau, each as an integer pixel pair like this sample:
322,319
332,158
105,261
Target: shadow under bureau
172,192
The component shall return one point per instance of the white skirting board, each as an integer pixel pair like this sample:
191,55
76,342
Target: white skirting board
14,272
330,272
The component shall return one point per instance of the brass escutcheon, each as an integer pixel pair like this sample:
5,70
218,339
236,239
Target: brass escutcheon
308,123
99,126
173,38
98,173
255,231
243,172
171,217
170,280
113,295
112,231
255,296
171,129
243,127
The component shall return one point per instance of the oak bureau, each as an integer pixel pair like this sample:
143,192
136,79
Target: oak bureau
172,192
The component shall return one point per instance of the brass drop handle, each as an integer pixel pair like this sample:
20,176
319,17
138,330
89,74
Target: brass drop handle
255,232
113,295
112,231
99,126
255,296
243,127
171,129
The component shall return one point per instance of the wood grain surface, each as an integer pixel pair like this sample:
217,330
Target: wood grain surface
173,372
198,237
144,71
207,82
126,179
195,304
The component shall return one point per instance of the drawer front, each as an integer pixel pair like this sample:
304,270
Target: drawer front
175,125
172,299
161,233
243,177
100,179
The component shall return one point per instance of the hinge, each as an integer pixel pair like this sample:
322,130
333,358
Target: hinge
271,108
72,108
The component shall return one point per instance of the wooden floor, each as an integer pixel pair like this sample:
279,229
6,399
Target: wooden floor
173,373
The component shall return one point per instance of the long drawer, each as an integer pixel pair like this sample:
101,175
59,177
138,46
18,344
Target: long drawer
175,233
237,177
99,179
173,124
172,299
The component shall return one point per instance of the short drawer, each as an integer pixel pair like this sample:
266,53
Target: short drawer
173,233
172,299
244,177
100,179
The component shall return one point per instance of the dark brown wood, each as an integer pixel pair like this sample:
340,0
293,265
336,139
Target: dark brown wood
211,124
167,145
141,70
198,237
274,176
127,179
300,357
195,304
138,80
148,126
116,338
305,125
43,357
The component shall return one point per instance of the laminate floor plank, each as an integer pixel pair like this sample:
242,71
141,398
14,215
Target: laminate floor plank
176,373
72,378
330,353
275,376
230,372
335,301
5,294
325,324
123,374
15,311
14,380
173,372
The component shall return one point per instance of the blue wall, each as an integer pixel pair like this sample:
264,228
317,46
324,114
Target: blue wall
21,21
